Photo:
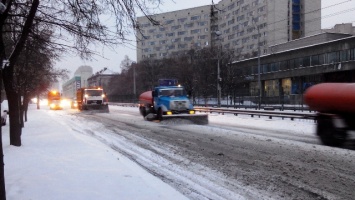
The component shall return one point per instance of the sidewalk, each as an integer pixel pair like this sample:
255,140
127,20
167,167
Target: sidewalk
55,162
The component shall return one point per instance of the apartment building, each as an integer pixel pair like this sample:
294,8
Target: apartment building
178,31
243,26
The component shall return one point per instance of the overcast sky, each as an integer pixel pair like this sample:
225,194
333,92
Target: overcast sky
333,12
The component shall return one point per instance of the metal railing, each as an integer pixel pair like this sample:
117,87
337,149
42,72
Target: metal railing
253,113
259,113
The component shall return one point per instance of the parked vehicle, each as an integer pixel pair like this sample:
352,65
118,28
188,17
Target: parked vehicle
4,112
169,100
334,103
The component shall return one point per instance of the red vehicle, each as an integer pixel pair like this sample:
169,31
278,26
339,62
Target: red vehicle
334,103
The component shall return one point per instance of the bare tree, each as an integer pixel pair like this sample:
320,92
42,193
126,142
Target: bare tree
81,20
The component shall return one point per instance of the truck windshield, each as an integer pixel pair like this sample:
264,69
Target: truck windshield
172,92
93,92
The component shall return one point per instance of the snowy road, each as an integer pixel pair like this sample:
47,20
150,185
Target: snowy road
231,158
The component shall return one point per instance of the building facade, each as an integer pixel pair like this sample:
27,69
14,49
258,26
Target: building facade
178,31
70,87
286,74
242,26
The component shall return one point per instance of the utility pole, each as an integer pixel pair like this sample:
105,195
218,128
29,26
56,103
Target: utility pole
218,33
134,79
259,81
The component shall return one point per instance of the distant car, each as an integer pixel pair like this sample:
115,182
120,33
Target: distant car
4,112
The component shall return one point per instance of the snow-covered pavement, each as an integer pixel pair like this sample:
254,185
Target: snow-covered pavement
66,156
55,162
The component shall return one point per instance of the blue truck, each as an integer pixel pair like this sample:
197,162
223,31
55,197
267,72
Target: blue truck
169,100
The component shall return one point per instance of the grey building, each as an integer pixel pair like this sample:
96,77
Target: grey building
178,31
242,26
78,81
84,72
70,87
295,66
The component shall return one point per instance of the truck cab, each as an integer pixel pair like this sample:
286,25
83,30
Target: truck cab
170,100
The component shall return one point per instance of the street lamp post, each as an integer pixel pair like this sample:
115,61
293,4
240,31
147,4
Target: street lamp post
134,79
259,81
259,70
218,33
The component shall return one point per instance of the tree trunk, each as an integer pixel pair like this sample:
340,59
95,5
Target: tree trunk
2,171
38,101
25,103
14,107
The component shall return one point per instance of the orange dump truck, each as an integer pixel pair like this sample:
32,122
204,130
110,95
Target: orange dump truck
335,104
54,100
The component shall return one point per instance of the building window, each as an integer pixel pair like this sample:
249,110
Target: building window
306,61
245,8
230,7
170,34
352,54
202,23
163,54
176,40
231,22
182,20
333,57
195,31
189,25
173,28
227,31
239,18
202,37
197,17
169,21
159,36
188,39
182,46
315,60
236,12
261,9
181,32
344,55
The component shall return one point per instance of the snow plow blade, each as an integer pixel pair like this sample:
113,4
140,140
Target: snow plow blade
96,108
200,119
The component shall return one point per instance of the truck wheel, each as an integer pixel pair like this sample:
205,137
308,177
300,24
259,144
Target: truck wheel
329,134
160,114
143,111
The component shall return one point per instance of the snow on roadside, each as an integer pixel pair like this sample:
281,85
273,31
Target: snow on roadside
55,162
